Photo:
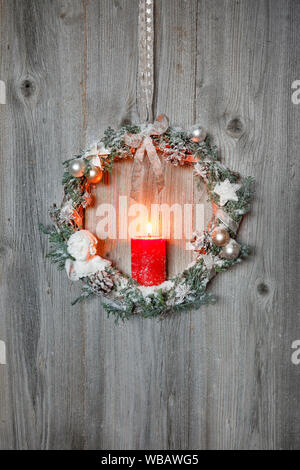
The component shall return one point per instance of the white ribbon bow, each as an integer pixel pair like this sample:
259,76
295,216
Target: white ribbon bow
143,143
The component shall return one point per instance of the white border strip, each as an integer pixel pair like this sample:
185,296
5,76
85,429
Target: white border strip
2,353
2,92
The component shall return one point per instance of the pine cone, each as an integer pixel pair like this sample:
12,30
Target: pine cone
101,282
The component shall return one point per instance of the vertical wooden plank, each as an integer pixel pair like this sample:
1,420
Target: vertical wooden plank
66,377
241,345
175,25
42,125
138,371
111,29
6,428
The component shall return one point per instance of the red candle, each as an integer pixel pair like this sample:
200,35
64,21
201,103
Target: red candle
148,260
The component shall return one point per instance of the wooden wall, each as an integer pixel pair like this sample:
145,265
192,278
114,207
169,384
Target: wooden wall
216,378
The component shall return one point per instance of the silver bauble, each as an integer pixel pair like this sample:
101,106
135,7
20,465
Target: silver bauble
77,168
231,250
198,134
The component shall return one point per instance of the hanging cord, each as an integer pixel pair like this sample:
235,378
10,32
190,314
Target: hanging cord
145,66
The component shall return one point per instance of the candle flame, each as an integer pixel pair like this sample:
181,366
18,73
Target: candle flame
149,229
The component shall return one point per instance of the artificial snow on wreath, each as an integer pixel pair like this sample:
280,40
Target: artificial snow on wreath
216,249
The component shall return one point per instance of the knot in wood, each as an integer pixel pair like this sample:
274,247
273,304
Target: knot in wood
235,128
263,288
27,88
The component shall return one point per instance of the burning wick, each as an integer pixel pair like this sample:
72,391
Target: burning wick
149,229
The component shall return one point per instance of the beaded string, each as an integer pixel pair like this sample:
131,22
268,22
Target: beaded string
145,66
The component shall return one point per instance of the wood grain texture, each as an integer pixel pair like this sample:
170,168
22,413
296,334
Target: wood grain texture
217,378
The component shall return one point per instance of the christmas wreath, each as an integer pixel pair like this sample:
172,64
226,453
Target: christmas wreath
73,248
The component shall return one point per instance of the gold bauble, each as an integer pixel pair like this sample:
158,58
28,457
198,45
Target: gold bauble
94,175
231,250
77,168
220,236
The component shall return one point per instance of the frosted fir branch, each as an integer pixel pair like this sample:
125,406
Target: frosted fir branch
245,194
58,238
86,292
225,264
131,300
120,313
